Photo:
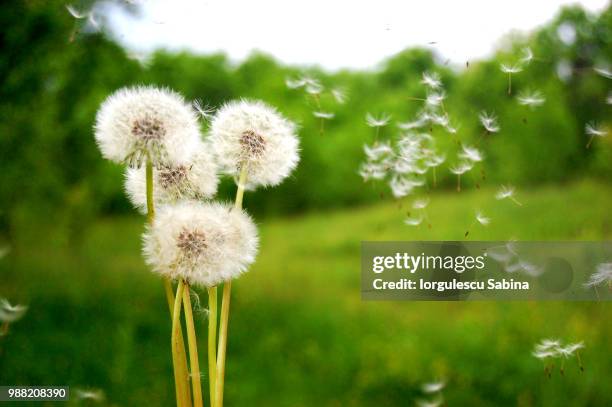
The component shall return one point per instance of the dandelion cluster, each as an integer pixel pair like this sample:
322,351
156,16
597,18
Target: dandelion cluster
188,239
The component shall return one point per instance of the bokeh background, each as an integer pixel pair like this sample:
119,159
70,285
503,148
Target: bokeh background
299,334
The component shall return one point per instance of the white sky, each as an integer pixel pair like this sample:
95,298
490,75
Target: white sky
331,33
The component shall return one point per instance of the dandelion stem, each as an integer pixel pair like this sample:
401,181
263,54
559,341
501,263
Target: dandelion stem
181,373
194,363
590,141
516,201
212,342
181,391
225,304
509,83
434,176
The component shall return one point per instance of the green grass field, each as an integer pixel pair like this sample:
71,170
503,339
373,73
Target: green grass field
300,335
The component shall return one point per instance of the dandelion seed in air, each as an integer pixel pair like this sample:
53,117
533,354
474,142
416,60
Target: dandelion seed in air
471,154
510,70
377,122
507,192
593,130
339,95
79,15
92,395
431,80
322,116
435,99
420,203
531,99
459,170
295,83
433,387
489,122
603,71
11,313
206,111
526,55
414,221
482,219
602,275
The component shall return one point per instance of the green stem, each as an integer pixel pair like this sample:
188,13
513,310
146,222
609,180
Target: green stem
193,349
182,374
225,304
212,342
181,391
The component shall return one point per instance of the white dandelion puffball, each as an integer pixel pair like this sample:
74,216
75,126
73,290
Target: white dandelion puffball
196,179
203,243
137,123
255,135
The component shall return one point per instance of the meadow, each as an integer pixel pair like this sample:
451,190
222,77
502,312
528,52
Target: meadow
300,335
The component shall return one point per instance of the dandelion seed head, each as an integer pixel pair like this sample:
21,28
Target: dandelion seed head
202,243
255,135
196,179
134,124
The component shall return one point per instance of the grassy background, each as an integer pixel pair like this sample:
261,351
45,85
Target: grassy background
300,334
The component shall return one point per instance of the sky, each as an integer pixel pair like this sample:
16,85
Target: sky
332,34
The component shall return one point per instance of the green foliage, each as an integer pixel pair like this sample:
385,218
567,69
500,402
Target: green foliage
300,335
53,79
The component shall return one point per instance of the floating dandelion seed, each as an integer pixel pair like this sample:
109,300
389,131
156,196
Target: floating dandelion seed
419,122
323,115
510,70
471,154
603,274
372,171
196,179
253,134
313,87
482,219
75,13
459,170
430,403
433,387
527,55
435,99
531,99
203,109
552,349
605,72
93,395
489,122
11,313
431,80
507,192
339,95
593,130
380,121
146,123
201,243
420,203
415,221
295,83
